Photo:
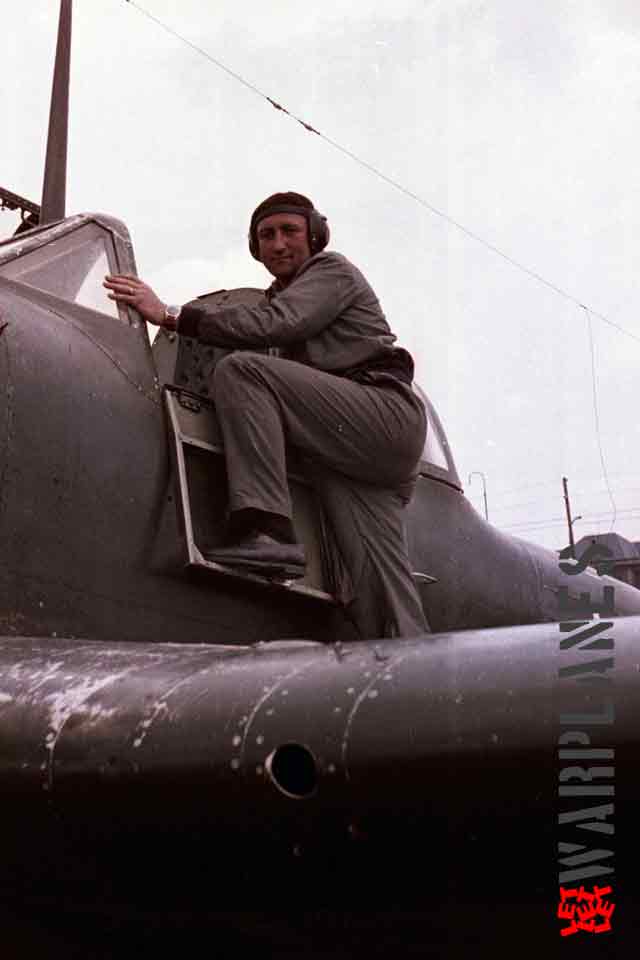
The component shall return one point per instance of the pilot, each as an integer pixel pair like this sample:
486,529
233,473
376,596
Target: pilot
337,389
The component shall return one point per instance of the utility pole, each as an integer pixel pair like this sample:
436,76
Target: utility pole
484,490
570,521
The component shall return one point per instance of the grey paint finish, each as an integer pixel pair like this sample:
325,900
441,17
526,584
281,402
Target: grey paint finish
382,721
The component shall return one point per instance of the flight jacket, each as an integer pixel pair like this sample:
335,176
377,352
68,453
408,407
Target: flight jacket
327,317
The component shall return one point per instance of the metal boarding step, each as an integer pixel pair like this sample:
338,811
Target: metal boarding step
201,498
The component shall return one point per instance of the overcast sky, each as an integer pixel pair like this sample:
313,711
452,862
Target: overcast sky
517,119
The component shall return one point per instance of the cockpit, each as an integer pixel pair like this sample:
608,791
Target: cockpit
69,261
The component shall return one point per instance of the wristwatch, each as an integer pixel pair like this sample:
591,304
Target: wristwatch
171,314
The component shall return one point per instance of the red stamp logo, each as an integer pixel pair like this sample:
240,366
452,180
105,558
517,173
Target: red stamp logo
585,911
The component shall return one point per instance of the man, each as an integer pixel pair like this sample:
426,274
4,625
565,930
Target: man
339,392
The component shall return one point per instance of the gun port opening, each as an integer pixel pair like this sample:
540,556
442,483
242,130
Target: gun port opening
292,768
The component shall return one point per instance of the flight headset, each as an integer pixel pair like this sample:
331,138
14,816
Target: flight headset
316,224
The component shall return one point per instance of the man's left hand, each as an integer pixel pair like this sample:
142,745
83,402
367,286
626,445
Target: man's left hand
126,288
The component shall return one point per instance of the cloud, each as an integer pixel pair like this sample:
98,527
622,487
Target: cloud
182,280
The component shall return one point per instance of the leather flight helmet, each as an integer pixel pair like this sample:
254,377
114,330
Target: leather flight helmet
290,203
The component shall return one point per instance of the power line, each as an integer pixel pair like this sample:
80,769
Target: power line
596,515
383,176
532,503
632,513
554,483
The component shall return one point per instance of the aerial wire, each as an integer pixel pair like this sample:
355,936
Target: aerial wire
597,417
433,209
383,176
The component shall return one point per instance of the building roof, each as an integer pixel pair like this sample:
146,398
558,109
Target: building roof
621,548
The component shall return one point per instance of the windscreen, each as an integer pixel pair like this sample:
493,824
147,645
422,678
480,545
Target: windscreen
433,452
72,267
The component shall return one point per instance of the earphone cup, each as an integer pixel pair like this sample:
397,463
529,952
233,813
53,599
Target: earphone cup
318,231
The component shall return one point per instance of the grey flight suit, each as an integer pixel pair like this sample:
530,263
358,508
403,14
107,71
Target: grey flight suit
340,394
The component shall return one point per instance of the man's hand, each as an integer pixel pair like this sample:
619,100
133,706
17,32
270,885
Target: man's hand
128,289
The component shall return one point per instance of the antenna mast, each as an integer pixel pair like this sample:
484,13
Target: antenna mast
55,172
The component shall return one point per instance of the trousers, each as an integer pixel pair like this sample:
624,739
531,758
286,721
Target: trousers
360,443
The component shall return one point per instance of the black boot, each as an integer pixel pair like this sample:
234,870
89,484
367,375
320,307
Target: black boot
260,553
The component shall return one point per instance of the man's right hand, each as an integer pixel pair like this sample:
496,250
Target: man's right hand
126,288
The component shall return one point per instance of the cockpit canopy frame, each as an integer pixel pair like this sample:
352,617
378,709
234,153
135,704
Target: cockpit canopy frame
436,461
69,259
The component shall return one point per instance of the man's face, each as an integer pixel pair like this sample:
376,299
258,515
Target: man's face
283,244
